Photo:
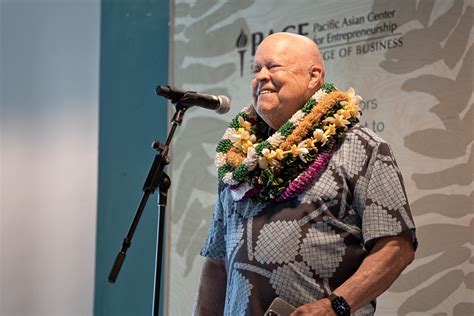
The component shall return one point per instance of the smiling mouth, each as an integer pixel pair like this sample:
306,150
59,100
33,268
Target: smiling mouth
264,91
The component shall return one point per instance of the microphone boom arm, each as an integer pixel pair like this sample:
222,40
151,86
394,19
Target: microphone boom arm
156,178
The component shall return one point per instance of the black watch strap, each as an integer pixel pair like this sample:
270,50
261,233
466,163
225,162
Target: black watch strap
339,305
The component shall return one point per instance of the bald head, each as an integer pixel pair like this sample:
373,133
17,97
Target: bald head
288,70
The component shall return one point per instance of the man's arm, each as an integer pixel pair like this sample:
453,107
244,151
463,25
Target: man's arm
388,258
212,288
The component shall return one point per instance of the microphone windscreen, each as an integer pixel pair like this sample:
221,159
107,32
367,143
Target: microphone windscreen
224,106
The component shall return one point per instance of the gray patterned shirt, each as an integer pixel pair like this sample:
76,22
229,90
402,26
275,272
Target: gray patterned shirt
304,248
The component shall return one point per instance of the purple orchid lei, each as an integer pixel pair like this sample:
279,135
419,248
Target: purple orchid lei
306,177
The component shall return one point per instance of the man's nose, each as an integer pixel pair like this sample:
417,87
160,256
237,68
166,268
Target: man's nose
263,74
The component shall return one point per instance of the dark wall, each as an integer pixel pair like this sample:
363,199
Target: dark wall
133,60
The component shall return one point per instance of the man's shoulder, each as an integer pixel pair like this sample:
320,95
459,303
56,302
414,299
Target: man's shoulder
364,134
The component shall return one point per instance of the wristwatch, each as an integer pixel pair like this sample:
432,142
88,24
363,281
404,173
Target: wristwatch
339,305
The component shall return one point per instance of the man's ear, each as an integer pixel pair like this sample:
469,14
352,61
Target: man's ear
316,77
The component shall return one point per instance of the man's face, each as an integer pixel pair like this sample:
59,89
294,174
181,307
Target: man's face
280,81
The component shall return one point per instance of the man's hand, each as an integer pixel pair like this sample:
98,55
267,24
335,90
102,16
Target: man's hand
317,308
212,288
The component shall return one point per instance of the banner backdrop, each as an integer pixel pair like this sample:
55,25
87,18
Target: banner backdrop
411,61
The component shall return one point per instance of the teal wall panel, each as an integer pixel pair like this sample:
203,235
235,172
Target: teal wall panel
133,60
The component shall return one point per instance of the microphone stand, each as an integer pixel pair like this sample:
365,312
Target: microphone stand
156,178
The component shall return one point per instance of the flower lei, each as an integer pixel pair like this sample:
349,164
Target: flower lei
281,166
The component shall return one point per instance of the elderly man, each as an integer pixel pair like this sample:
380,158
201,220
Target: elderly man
311,207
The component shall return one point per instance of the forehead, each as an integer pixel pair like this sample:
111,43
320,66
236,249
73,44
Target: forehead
280,51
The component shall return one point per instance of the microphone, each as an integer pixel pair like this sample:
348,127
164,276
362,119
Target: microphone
220,104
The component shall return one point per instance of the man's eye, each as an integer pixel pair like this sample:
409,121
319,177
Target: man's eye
255,69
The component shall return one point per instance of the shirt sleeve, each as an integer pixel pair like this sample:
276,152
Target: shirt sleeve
214,246
386,210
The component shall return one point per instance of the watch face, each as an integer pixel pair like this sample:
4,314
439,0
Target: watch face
340,306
